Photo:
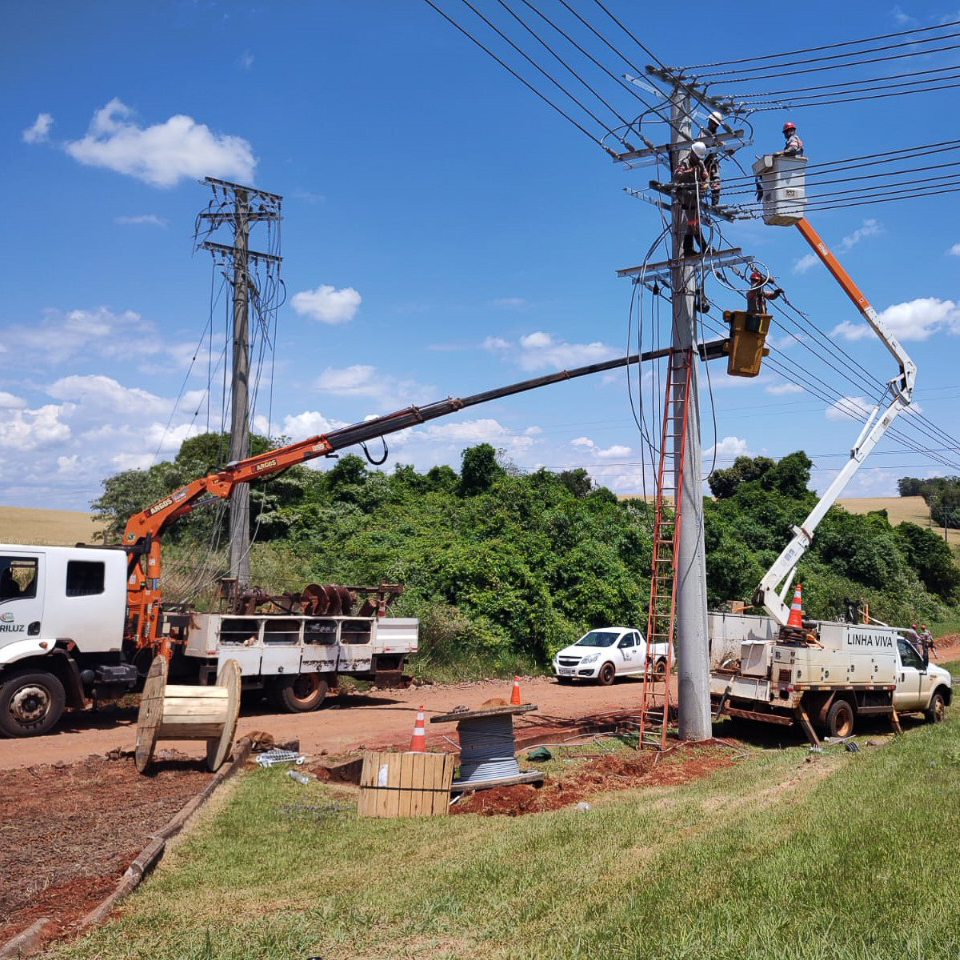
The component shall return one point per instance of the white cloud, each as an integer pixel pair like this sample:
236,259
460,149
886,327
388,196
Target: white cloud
509,303
805,263
870,228
779,389
616,452
849,408
32,429
40,131
148,218
163,154
83,334
729,448
9,402
538,350
68,465
326,304
310,423
245,61
954,251
355,380
105,393
915,320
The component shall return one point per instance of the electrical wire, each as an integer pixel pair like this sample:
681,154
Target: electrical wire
828,46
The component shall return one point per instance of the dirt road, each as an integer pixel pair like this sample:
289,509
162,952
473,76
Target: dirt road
344,723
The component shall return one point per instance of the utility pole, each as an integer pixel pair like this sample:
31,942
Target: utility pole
693,660
232,206
239,412
679,274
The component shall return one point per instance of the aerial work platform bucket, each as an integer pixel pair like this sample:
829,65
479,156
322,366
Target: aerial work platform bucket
783,180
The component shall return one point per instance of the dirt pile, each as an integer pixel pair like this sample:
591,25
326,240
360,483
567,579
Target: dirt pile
602,775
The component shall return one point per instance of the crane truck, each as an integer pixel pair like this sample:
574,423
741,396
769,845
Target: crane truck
824,675
82,624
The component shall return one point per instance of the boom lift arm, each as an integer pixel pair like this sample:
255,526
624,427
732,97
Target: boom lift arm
141,537
900,389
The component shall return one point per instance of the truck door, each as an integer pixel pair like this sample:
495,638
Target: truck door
629,653
21,597
908,694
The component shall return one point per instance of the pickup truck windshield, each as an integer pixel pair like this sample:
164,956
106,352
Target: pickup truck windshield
597,638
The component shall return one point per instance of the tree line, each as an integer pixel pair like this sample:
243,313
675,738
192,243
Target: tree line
941,495
504,567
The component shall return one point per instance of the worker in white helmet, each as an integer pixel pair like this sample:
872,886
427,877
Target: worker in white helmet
712,160
692,180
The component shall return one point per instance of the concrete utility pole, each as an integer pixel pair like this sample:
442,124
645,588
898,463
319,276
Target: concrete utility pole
234,208
693,659
239,413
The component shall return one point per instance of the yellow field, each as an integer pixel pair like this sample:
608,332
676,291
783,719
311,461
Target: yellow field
57,528
899,510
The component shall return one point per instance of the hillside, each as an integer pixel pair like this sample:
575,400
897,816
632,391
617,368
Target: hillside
58,528
899,510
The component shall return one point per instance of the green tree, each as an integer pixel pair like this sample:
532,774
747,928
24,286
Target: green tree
479,469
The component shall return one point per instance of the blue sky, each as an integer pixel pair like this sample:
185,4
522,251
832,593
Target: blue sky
444,232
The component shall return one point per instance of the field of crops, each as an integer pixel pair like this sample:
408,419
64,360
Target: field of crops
61,528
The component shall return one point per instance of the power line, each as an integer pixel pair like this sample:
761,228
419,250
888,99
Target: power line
828,46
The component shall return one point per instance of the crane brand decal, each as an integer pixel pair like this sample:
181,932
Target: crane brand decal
157,507
869,640
7,625
264,466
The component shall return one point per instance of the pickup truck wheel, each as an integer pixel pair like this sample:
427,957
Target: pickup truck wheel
660,670
606,675
30,704
301,693
840,719
937,709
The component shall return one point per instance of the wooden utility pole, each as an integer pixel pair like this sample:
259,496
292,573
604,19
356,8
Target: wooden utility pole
233,206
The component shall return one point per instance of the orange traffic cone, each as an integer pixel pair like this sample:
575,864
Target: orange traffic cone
796,612
418,742
515,694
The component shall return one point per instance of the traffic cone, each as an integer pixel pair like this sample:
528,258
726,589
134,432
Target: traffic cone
796,612
515,694
418,742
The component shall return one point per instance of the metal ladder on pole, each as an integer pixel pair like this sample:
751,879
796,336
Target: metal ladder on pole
661,613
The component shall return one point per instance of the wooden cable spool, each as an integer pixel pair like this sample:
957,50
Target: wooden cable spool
175,712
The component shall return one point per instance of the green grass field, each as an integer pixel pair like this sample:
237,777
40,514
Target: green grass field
784,853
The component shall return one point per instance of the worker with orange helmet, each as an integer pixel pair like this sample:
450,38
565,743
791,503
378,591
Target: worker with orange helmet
757,293
793,146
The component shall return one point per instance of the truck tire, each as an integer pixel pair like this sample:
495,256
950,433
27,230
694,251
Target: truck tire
660,669
30,704
300,693
840,719
607,674
937,709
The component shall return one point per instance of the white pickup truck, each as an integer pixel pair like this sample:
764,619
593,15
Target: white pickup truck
608,652
825,676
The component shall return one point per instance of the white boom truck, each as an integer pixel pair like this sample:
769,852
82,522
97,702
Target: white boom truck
819,674
62,615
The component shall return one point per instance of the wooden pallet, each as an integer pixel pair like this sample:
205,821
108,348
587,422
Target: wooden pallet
405,784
